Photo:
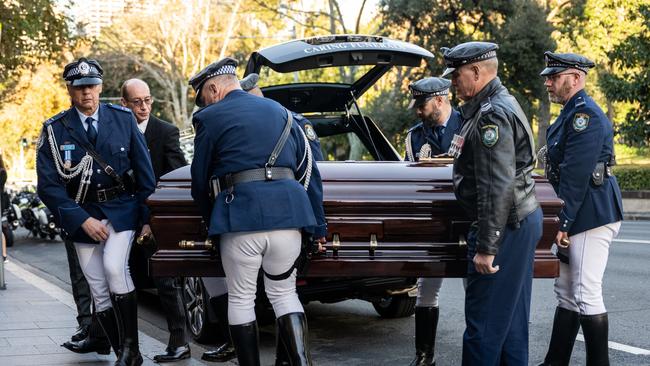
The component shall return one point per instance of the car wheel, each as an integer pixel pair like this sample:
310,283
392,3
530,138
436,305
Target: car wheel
398,306
195,299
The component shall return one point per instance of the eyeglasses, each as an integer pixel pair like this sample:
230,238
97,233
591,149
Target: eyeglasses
139,102
554,77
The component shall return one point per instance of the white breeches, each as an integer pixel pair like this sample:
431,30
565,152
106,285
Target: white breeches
428,292
580,285
242,254
106,266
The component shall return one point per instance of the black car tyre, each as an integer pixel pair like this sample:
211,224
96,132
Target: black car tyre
195,299
397,306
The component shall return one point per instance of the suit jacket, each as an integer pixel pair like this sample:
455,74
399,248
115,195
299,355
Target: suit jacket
164,146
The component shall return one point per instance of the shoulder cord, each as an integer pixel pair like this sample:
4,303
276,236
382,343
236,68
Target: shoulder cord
85,167
409,147
306,176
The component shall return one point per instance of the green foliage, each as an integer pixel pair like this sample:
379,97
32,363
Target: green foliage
31,31
631,81
633,177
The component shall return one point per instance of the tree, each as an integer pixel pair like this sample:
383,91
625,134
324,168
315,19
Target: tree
630,80
31,30
520,27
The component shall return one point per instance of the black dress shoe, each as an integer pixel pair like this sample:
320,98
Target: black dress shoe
88,345
173,354
223,353
80,333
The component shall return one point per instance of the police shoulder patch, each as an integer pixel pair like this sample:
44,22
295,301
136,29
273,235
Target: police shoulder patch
489,135
580,122
119,107
309,131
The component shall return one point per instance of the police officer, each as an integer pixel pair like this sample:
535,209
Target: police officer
431,137
493,182
263,169
94,174
579,153
439,121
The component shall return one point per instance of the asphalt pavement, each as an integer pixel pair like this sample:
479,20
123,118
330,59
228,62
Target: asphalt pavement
351,332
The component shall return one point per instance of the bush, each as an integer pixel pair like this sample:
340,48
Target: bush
633,177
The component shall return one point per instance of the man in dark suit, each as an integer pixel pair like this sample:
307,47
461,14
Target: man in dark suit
164,147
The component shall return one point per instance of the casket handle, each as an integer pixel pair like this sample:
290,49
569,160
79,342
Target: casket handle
461,240
373,244
191,244
336,243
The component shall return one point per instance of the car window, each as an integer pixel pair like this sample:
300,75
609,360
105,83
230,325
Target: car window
342,147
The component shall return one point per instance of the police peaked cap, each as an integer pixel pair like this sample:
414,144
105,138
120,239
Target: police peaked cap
558,62
225,66
426,88
467,53
83,72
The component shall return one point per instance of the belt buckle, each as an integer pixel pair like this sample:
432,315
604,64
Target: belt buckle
101,196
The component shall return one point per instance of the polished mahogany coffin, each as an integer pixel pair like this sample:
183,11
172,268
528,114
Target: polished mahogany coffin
385,219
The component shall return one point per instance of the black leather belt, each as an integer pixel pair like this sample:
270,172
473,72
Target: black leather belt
253,175
104,195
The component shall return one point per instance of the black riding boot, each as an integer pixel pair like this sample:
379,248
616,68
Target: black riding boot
426,324
595,329
565,328
281,356
127,315
292,329
246,341
225,351
108,321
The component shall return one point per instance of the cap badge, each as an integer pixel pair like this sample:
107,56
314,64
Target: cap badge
84,68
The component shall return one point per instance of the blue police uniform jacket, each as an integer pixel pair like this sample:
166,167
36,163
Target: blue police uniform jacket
581,137
236,134
122,146
421,134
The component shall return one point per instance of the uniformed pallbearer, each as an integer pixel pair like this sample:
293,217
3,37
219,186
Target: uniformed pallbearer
579,153
494,160
431,137
439,121
263,166
94,174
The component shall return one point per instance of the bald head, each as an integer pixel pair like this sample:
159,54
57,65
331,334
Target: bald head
216,88
137,97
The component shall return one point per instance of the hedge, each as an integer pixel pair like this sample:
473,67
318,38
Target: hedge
633,177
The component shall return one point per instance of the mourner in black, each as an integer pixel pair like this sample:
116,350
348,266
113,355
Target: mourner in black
579,153
94,174
429,138
494,160
166,155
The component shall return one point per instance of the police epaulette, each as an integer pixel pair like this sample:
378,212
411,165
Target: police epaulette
580,101
119,107
415,127
486,107
54,119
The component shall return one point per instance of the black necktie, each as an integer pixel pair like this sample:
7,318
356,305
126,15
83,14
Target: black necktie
91,132
440,130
